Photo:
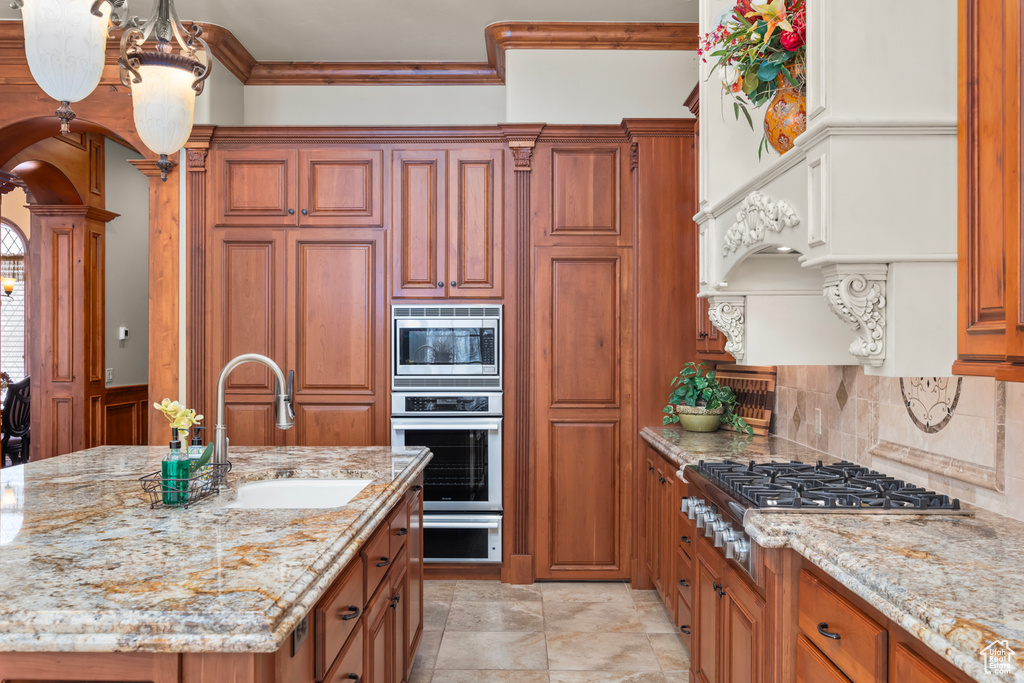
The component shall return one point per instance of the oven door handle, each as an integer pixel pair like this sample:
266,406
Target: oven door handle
439,424
433,524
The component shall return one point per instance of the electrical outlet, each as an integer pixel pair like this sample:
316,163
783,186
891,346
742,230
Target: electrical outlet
817,420
110,375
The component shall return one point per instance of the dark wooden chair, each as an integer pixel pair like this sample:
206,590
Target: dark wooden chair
14,424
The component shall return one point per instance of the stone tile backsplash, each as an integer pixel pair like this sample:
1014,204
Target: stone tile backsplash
964,437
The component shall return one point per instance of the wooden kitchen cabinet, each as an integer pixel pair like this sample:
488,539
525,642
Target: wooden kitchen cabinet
299,186
448,234
990,273
730,622
330,328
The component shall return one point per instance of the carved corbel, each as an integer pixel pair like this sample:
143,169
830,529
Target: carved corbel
758,215
728,314
856,294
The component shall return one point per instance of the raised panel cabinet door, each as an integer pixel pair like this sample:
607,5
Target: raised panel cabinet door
378,623
399,607
419,225
334,424
706,654
337,321
586,183
989,122
245,310
256,187
252,424
743,634
476,208
584,320
342,187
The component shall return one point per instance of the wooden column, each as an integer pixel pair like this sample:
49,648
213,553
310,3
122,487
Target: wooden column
67,355
163,291
197,150
519,544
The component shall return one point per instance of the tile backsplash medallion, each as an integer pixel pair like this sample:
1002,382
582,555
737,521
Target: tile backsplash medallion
960,436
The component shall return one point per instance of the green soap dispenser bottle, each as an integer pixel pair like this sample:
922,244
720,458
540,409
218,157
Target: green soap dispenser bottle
175,472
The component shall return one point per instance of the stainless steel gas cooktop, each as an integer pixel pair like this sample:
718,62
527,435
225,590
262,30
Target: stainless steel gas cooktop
837,487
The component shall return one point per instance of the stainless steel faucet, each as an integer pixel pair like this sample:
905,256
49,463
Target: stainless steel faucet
284,413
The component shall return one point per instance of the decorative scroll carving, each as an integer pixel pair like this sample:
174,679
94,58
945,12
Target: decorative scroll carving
634,155
757,216
196,157
727,313
856,294
522,157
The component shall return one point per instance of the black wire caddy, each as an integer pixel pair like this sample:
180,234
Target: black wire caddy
167,492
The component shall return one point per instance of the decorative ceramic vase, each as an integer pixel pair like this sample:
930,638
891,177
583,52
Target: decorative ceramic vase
699,418
786,117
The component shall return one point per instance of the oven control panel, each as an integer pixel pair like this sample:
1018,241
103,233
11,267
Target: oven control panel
439,404
446,404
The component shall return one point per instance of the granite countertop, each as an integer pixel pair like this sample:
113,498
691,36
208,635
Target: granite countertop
956,583
87,566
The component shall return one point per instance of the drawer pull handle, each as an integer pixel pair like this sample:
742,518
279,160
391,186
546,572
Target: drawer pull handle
684,583
417,488
685,628
353,677
350,614
395,600
650,468
402,532
823,630
384,561
685,539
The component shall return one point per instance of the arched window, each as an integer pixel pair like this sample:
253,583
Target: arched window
12,308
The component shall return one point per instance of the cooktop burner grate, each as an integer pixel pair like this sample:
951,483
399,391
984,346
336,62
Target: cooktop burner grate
842,486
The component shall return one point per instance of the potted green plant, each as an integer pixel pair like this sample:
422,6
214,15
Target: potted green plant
700,403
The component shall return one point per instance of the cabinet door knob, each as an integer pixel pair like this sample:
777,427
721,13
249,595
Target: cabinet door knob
350,614
401,532
440,284
304,212
823,630
453,283
685,628
384,561
291,211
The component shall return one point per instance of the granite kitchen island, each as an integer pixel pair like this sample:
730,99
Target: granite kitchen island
89,569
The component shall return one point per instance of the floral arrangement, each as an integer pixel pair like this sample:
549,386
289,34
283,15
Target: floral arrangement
181,418
753,46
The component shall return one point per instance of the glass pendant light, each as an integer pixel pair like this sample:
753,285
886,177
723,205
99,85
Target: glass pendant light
65,43
164,83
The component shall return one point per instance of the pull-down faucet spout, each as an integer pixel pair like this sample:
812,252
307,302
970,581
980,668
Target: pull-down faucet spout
284,413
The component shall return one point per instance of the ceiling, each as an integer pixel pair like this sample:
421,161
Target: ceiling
400,30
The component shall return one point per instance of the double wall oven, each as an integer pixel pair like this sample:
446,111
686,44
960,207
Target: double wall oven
446,396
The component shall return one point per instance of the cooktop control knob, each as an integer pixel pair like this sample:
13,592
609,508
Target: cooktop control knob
704,517
738,550
713,526
688,503
723,533
696,510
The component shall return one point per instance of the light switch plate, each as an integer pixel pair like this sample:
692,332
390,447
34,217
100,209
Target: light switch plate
817,420
110,375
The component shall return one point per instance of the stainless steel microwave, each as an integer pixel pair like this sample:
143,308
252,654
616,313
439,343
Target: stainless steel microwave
446,347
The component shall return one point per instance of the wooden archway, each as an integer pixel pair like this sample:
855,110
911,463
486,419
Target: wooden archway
27,117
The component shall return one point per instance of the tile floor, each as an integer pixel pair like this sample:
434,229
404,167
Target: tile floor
547,633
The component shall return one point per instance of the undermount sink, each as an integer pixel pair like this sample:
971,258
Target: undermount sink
298,493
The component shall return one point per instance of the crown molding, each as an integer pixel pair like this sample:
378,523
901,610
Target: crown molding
499,38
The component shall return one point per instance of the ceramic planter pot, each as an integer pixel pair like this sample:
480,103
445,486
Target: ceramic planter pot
786,117
699,418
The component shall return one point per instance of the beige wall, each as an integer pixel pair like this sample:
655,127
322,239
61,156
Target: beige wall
127,268
978,456
13,207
